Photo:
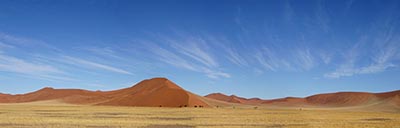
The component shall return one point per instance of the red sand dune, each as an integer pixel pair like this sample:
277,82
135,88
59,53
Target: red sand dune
342,99
339,99
153,92
163,92
287,101
233,98
4,97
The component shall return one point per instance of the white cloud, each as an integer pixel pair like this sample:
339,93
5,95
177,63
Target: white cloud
216,74
55,77
233,55
265,61
170,57
90,64
12,64
4,45
326,58
195,48
179,61
294,60
382,58
16,41
103,51
32,69
304,59
350,71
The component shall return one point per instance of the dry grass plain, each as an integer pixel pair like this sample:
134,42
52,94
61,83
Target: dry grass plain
60,115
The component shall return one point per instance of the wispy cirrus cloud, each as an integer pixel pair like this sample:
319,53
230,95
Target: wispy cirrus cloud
191,53
228,51
4,45
22,42
268,59
215,74
168,56
195,48
325,57
102,51
381,62
305,59
234,56
12,64
28,66
32,69
89,64
384,51
299,59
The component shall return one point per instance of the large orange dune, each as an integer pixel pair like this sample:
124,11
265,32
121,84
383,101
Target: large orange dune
154,92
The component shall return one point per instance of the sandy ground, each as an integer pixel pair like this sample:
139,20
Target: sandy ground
54,114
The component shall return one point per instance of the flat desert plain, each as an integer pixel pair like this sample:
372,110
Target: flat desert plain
54,114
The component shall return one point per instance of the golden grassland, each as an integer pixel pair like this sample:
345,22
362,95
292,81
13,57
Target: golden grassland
63,115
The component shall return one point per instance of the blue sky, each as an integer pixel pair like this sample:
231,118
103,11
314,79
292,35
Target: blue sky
266,49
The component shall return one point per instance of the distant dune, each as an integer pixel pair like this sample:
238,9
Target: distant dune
161,92
386,100
233,98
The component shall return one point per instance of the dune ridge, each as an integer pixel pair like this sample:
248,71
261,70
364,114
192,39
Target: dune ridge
338,99
161,92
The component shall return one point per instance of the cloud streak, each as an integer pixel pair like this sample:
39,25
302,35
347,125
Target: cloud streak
300,59
89,64
195,48
235,57
32,69
12,64
191,56
384,51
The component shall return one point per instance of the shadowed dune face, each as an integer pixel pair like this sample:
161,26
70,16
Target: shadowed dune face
223,97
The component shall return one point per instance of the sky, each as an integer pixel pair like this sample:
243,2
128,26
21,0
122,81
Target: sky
250,48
